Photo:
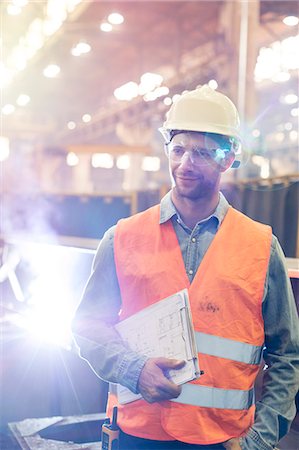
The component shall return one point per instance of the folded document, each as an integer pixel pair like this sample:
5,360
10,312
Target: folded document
162,329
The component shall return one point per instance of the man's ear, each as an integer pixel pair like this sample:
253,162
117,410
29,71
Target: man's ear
227,161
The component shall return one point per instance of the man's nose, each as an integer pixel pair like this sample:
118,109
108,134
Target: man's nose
186,160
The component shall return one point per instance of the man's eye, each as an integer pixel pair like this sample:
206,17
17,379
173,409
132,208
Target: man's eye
178,150
202,153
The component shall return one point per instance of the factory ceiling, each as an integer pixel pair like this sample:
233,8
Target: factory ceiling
186,42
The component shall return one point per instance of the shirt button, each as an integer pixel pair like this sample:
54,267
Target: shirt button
193,240
190,272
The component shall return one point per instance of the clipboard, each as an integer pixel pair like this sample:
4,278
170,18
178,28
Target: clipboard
162,329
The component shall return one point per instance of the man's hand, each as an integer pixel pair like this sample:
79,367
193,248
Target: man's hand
153,383
232,444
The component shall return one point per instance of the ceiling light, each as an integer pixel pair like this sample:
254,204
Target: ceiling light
72,159
295,112
289,99
71,125
8,109
288,126
105,26
115,18
291,21
80,49
151,164
256,133
13,10
293,135
149,81
51,71
280,57
102,160
127,91
167,101
281,77
158,92
123,162
23,100
86,118
213,84
20,3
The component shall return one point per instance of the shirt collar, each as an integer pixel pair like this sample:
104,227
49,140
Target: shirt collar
168,210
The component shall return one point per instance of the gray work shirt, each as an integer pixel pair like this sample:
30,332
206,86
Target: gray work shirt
108,356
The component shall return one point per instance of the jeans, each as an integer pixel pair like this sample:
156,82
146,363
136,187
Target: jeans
128,442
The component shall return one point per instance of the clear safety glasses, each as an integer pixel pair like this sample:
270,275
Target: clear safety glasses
198,156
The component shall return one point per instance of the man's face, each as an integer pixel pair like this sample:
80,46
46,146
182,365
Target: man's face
196,163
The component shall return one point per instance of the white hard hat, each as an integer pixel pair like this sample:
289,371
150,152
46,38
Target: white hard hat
205,110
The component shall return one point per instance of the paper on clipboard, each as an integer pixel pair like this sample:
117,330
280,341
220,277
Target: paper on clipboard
162,329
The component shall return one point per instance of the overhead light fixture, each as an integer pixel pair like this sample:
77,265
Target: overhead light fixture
123,162
288,126
115,18
276,61
106,27
71,125
80,49
289,99
72,159
281,77
20,3
167,101
291,21
102,160
295,112
13,10
293,135
51,71
86,118
149,81
23,100
151,164
213,84
127,91
158,92
8,109
149,87
256,133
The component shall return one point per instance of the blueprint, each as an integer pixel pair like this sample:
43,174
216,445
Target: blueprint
162,329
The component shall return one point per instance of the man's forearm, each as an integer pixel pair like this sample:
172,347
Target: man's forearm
101,346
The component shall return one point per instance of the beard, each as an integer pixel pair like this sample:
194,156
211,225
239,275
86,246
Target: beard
196,188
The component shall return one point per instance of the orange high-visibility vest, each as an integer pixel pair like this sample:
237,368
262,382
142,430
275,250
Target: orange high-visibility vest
226,304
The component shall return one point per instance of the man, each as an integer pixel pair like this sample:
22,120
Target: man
240,297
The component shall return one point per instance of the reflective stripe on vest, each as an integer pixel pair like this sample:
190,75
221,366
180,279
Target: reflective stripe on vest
196,395
228,348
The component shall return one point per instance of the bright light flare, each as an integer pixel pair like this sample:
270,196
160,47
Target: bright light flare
151,164
51,71
50,296
115,18
23,100
102,160
106,27
291,21
72,159
123,162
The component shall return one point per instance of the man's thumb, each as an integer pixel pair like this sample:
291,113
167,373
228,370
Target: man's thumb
166,363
